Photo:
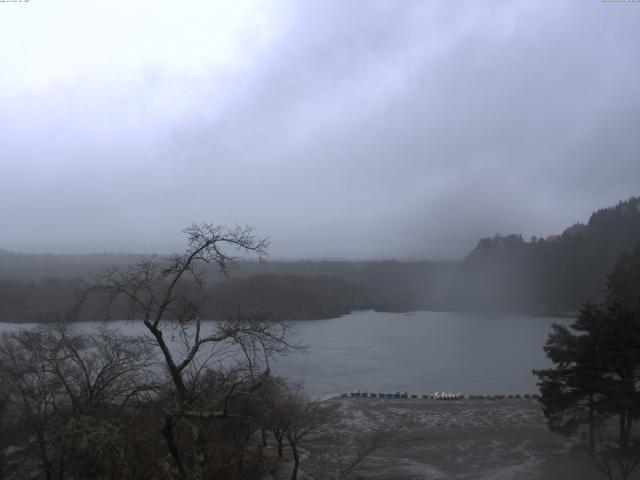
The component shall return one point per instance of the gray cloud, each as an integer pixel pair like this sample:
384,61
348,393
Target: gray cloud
349,129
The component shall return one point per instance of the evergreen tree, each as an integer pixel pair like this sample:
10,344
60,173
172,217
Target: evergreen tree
570,391
596,360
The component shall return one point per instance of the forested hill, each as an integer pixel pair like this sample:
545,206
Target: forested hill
552,275
555,274
22,266
293,296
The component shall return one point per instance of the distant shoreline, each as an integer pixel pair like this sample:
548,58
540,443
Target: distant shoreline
565,315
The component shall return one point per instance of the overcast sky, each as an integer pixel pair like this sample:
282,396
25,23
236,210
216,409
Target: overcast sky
353,129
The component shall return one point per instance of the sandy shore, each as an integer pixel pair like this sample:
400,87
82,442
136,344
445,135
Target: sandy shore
462,439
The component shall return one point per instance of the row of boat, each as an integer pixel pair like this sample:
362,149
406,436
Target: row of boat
437,395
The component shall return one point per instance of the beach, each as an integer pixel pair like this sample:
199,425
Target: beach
447,439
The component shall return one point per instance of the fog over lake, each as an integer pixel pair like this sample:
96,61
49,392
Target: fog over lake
421,352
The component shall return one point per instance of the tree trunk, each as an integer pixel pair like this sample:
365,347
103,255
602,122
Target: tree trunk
591,424
280,441
44,455
624,429
167,433
199,447
176,374
296,460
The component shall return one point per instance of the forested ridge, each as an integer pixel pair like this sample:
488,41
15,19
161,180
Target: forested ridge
503,273
547,275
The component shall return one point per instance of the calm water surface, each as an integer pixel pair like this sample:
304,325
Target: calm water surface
421,352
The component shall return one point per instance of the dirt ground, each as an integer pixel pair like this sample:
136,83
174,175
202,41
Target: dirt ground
435,439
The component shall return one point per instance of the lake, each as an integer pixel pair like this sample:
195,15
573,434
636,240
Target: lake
421,352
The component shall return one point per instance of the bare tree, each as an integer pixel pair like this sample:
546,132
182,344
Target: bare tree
352,467
272,410
295,416
105,368
607,456
4,422
165,294
308,418
340,454
61,388
30,391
